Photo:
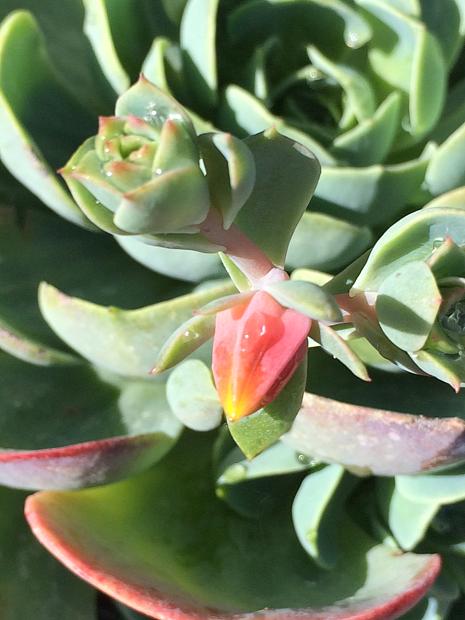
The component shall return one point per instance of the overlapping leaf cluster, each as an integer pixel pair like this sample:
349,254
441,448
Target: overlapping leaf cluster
375,90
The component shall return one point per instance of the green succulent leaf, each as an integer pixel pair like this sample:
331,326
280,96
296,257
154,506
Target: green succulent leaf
256,432
260,19
361,195
186,339
407,305
408,520
370,141
414,237
152,104
317,513
307,298
244,115
28,87
198,41
324,242
443,487
97,29
182,264
446,169
22,347
175,200
408,57
276,186
360,96
124,341
335,345
277,460
193,397
230,167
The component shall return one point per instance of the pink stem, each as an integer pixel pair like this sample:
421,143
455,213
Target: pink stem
245,254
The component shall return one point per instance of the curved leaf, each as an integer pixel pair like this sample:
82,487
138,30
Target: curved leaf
414,237
277,187
324,242
78,429
192,396
182,264
408,304
374,440
240,567
124,341
97,28
28,86
198,41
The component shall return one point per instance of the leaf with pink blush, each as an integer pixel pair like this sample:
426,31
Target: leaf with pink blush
163,544
257,347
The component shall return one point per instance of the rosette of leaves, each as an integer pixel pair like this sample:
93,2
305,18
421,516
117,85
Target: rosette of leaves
152,533
413,294
361,99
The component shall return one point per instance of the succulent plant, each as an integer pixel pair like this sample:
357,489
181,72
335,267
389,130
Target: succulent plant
335,488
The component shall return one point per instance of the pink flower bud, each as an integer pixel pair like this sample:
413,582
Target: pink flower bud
256,349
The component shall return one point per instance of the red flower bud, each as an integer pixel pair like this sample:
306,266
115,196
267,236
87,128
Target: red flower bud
256,349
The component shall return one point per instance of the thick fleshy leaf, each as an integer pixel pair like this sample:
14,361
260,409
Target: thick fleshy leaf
330,340
52,591
256,432
408,304
306,298
78,429
225,303
362,195
147,101
124,341
28,90
97,28
444,487
15,343
242,565
168,203
446,169
243,115
256,348
326,243
277,460
182,264
408,57
408,520
370,141
277,186
198,41
305,21
374,440
230,170
186,339
317,513
192,396
414,237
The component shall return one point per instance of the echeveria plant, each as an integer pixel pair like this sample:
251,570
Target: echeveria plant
238,431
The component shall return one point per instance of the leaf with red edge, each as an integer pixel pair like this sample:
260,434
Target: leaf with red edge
77,429
165,545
